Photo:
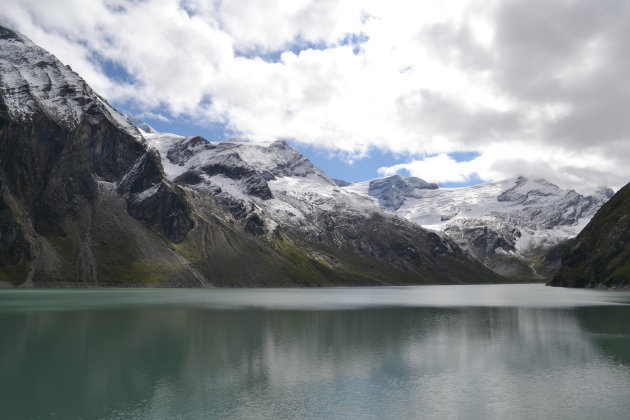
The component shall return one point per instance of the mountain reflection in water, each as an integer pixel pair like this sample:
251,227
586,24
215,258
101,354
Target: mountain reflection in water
187,361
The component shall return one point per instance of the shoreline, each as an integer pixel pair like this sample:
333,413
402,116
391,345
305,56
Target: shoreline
4,285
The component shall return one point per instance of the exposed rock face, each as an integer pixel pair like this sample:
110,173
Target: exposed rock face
600,255
59,142
86,200
506,225
14,248
155,201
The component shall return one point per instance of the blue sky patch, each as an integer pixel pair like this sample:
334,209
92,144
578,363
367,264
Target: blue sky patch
463,156
352,39
113,70
337,165
274,56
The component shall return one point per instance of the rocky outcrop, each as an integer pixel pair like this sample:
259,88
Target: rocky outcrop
153,200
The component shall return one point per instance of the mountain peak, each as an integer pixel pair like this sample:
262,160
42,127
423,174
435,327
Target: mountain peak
392,191
411,181
34,81
195,156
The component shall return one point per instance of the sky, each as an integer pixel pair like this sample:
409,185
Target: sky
454,92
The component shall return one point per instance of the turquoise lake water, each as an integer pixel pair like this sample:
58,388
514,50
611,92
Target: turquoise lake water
490,351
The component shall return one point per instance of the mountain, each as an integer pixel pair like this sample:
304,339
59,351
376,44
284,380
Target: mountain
506,225
275,191
73,177
87,198
600,255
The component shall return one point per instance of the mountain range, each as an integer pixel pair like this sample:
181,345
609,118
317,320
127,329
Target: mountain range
507,225
88,198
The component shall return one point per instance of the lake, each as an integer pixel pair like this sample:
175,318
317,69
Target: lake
488,351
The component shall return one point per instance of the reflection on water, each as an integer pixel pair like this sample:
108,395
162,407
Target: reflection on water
369,361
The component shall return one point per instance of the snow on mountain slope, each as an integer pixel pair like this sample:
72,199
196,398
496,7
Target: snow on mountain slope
278,179
529,214
277,158
86,200
49,86
274,192
392,192
517,217
494,222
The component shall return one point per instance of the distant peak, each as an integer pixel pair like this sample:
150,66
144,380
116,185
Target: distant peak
520,180
282,143
408,181
392,191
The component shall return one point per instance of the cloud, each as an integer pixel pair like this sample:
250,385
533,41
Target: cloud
533,87
440,168
584,172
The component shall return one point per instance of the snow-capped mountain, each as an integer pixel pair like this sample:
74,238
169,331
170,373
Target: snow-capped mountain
85,200
272,175
75,175
392,192
517,217
273,188
35,81
275,191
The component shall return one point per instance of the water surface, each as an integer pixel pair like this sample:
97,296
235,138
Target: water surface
498,351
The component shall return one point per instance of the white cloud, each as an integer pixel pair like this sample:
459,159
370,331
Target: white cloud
584,171
533,87
441,168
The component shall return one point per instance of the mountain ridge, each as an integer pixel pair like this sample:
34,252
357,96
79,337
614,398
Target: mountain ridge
507,225
600,255
86,200
286,192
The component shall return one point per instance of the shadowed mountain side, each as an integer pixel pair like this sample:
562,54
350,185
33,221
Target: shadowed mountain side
600,254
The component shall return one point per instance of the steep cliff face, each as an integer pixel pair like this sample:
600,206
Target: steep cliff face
86,200
65,157
600,255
